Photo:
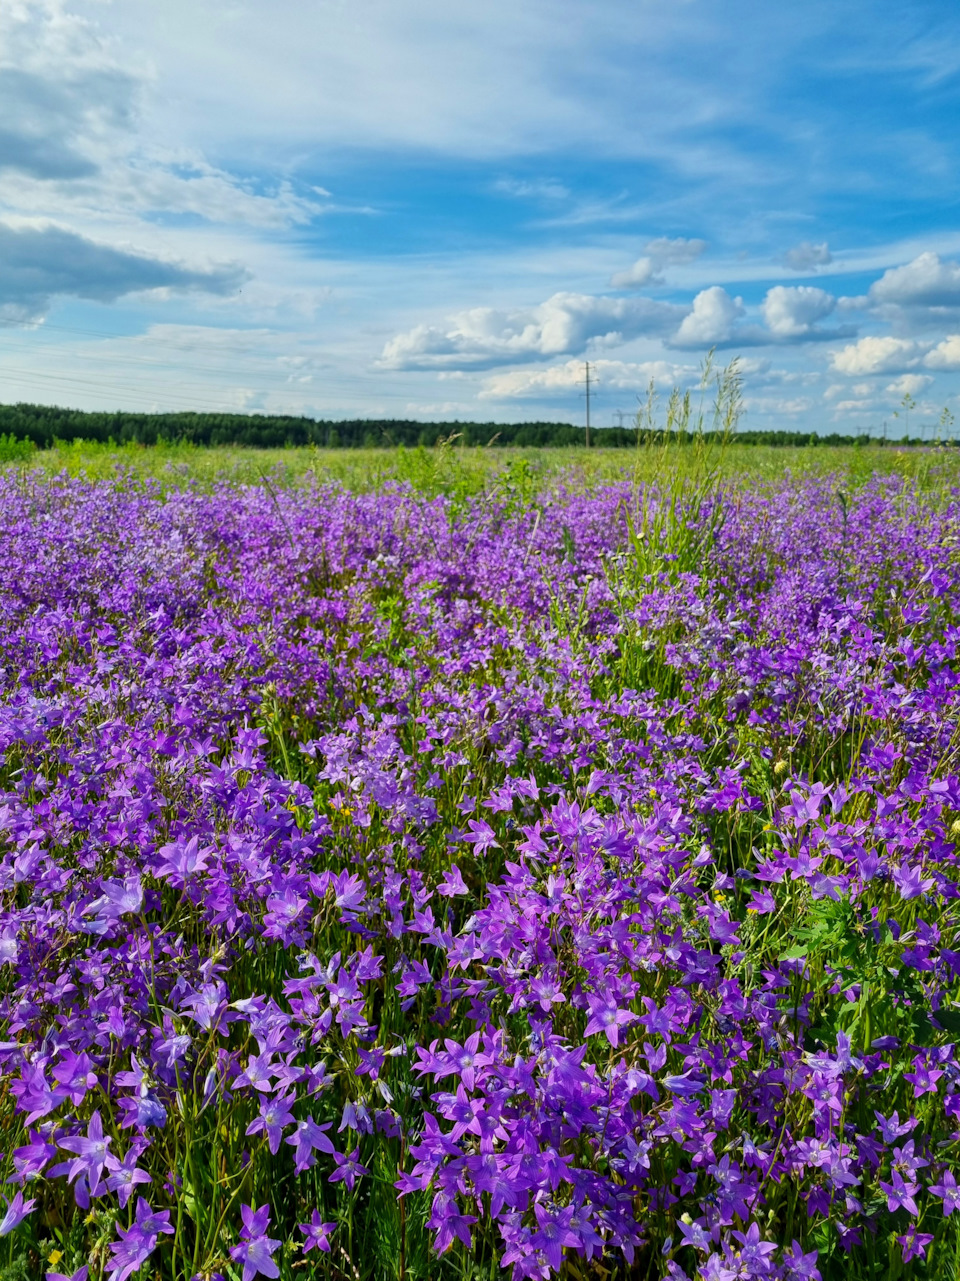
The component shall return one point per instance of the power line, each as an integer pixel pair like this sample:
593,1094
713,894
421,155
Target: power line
146,361
28,378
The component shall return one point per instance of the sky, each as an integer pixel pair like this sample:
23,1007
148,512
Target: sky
441,210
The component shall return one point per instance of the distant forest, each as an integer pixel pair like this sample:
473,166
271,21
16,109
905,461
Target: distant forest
45,425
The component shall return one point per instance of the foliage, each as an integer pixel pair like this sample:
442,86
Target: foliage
45,425
578,862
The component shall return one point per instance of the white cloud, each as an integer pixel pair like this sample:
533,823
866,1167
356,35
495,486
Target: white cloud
909,384
757,367
792,311
443,408
946,354
677,250
484,337
777,405
610,374
711,320
927,281
71,142
876,355
807,257
658,253
857,406
643,272
63,98
531,189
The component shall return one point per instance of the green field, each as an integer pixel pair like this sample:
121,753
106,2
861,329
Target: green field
452,469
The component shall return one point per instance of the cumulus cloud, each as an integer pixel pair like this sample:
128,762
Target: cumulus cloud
909,384
47,127
643,272
69,115
927,281
39,263
658,253
757,367
876,355
61,96
711,320
485,337
946,354
565,378
807,257
792,311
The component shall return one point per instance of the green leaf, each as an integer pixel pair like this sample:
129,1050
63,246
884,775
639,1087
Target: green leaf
949,1020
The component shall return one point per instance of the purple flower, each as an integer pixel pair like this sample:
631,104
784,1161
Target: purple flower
923,1079
911,882
275,1114
131,1252
91,1152
76,1075
893,1129
79,1275
799,1266
17,1210
256,1249
481,836
554,1233
156,1222
348,1168
948,1191
606,1016
258,1073
754,1253
914,1244
900,1194
182,860
316,1233
29,1161
307,1138
685,1085
125,1175
448,1224
452,883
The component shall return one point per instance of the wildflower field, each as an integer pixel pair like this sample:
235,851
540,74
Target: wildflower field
519,878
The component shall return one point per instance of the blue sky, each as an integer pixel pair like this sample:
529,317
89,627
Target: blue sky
440,210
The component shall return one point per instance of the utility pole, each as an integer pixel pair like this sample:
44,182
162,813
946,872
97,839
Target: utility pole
620,415
588,402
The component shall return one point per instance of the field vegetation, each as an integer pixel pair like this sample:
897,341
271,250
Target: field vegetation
446,864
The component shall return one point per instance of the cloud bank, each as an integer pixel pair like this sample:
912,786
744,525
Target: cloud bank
39,263
565,324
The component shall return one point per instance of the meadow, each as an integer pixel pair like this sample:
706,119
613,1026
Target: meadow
446,864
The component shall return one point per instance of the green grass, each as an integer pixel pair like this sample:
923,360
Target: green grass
457,470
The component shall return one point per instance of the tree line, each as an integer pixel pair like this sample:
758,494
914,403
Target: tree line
44,425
